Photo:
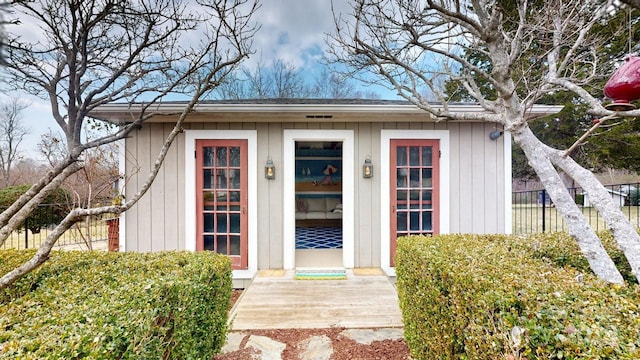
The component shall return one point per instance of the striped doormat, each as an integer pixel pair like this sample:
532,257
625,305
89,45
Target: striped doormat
320,274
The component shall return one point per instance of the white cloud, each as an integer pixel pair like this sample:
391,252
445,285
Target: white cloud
293,31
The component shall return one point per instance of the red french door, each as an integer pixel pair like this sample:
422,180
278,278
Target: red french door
414,189
221,198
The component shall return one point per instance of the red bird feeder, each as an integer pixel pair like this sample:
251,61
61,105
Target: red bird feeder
624,85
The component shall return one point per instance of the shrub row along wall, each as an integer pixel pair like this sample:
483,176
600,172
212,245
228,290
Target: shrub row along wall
501,297
171,305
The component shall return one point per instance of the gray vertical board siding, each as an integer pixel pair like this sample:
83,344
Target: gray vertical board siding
455,200
172,193
264,216
363,198
157,222
275,206
157,190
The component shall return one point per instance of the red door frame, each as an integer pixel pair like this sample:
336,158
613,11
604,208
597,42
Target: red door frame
435,188
241,261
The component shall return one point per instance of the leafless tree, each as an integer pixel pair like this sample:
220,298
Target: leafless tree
97,52
12,132
532,48
284,81
280,80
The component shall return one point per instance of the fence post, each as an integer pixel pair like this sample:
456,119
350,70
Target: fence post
544,210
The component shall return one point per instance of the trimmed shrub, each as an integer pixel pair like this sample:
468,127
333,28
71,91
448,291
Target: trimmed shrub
105,305
562,249
488,297
52,210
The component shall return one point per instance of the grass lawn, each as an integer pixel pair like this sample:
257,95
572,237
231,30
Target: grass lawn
528,218
78,234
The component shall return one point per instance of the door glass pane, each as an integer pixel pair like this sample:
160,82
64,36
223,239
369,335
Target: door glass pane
402,178
415,194
234,156
401,157
414,156
234,223
221,179
427,156
234,196
221,244
234,241
414,221
221,222
426,220
221,195
427,195
208,242
415,178
208,223
427,178
207,158
401,194
221,156
208,179
234,179
401,219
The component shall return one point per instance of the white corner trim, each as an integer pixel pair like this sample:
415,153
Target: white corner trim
348,189
252,192
122,183
385,168
508,187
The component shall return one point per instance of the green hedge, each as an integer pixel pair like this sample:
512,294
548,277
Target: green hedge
100,305
497,297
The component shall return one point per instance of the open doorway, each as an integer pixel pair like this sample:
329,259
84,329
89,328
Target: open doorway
319,203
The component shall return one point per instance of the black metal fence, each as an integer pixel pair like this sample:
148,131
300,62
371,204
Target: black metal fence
92,233
533,211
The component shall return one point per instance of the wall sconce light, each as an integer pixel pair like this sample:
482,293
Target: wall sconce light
494,135
367,168
269,169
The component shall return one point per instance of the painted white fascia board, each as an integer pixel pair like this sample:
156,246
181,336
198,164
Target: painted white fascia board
311,108
385,187
252,192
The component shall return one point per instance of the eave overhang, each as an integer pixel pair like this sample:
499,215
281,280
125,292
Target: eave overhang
374,111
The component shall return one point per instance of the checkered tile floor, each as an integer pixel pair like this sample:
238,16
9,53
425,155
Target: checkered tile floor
319,237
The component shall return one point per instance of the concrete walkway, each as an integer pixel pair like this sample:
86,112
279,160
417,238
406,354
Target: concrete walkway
274,300
366,305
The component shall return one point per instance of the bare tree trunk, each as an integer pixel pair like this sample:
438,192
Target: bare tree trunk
625,234
589,243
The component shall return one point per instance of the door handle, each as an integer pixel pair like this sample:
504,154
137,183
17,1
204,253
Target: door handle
393,209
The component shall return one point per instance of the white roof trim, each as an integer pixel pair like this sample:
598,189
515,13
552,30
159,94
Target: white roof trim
309,108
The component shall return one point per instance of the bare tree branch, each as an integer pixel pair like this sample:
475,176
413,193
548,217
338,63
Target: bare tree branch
94,53
527,49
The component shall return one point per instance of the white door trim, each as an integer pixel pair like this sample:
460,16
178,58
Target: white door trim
385,202
348,189
190,190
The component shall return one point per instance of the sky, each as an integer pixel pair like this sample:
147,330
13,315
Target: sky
293,31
